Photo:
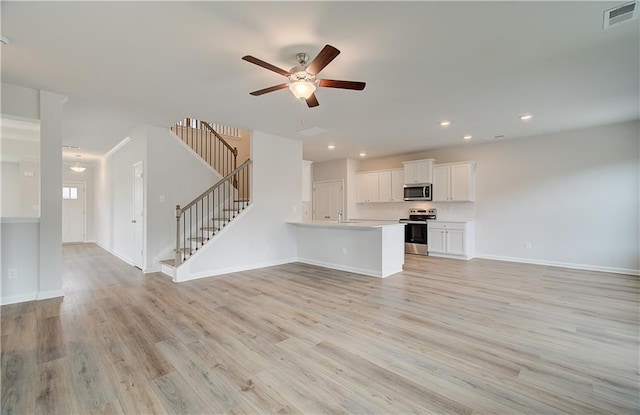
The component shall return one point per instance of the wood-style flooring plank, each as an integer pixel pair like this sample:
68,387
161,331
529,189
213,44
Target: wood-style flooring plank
442,337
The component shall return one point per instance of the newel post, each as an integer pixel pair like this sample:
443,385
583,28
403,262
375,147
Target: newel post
178,260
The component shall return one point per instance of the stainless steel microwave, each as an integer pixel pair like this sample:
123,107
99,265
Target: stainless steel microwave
417,191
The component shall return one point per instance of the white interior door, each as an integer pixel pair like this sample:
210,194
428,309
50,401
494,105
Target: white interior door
328,200
73,212
138,219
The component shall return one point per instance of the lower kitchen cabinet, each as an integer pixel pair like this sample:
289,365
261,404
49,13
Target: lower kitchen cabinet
451,239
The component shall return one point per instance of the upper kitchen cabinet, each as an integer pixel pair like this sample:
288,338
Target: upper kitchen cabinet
380,186
454,182
391,186
418,171
367,187
306,180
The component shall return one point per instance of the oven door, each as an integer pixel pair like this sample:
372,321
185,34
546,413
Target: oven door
415,238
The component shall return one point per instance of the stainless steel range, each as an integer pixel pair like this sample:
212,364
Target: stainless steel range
415,232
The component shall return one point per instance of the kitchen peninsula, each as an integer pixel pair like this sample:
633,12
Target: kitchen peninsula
375,249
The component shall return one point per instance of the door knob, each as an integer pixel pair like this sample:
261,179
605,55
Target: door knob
133,221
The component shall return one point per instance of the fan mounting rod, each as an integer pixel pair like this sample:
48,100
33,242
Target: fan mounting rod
302,58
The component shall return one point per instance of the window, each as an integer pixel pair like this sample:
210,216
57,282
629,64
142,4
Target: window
70,193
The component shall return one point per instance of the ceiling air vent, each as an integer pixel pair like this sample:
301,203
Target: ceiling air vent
620,14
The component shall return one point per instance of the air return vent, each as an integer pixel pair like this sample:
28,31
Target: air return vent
623,13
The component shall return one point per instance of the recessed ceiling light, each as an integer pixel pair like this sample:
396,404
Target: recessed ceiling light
526,117
331,146
467,137
363,154
445,123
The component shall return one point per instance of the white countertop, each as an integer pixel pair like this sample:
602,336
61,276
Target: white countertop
348,224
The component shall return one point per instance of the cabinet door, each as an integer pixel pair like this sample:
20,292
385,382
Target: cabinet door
455,242
441,183
410,173
436,240
306,181
461,183
397,185
384,182
423,172
373,185
362,191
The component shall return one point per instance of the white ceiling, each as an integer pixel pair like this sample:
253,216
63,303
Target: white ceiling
479,64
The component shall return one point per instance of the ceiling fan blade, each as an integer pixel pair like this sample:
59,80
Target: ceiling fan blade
312,101
330,83
270,89
326,55
265,65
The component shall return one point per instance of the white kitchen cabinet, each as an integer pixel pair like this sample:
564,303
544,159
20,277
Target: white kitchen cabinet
418,171
451,239
306,180
391,184
454,182
380,186
397,185
367,187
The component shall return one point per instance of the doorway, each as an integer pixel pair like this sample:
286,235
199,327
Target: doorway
74,214
328,200
138,219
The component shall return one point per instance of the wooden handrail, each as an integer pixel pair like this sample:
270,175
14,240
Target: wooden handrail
208,144
214,187
234,150
220,203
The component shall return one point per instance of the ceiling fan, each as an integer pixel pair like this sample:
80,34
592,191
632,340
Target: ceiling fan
303,79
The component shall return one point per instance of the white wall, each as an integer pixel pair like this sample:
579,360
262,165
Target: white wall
11,194
20,101
20,246
50,189
260,236
114,196
174,176
46,106
573,195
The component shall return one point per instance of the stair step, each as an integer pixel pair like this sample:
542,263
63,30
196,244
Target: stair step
199,239
241,200
210,228
230,209
186,250
169,262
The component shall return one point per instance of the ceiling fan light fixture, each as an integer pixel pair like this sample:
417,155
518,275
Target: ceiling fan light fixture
302,89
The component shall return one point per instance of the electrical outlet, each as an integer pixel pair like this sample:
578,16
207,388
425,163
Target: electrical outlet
13,273
344,251
527,245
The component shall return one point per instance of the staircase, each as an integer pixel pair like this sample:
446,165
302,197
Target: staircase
200,220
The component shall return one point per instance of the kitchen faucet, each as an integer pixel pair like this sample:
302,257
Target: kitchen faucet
339,217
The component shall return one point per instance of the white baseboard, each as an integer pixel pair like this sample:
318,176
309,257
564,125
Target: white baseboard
229,270
570,265
112,252
32,296
339,267
22,298
45,295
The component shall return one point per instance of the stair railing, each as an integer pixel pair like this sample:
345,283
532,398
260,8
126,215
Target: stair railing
199,220
208,144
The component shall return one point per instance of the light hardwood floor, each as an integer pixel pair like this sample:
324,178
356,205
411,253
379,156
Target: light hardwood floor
445,336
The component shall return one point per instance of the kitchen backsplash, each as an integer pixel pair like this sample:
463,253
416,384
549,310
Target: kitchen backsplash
395,211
